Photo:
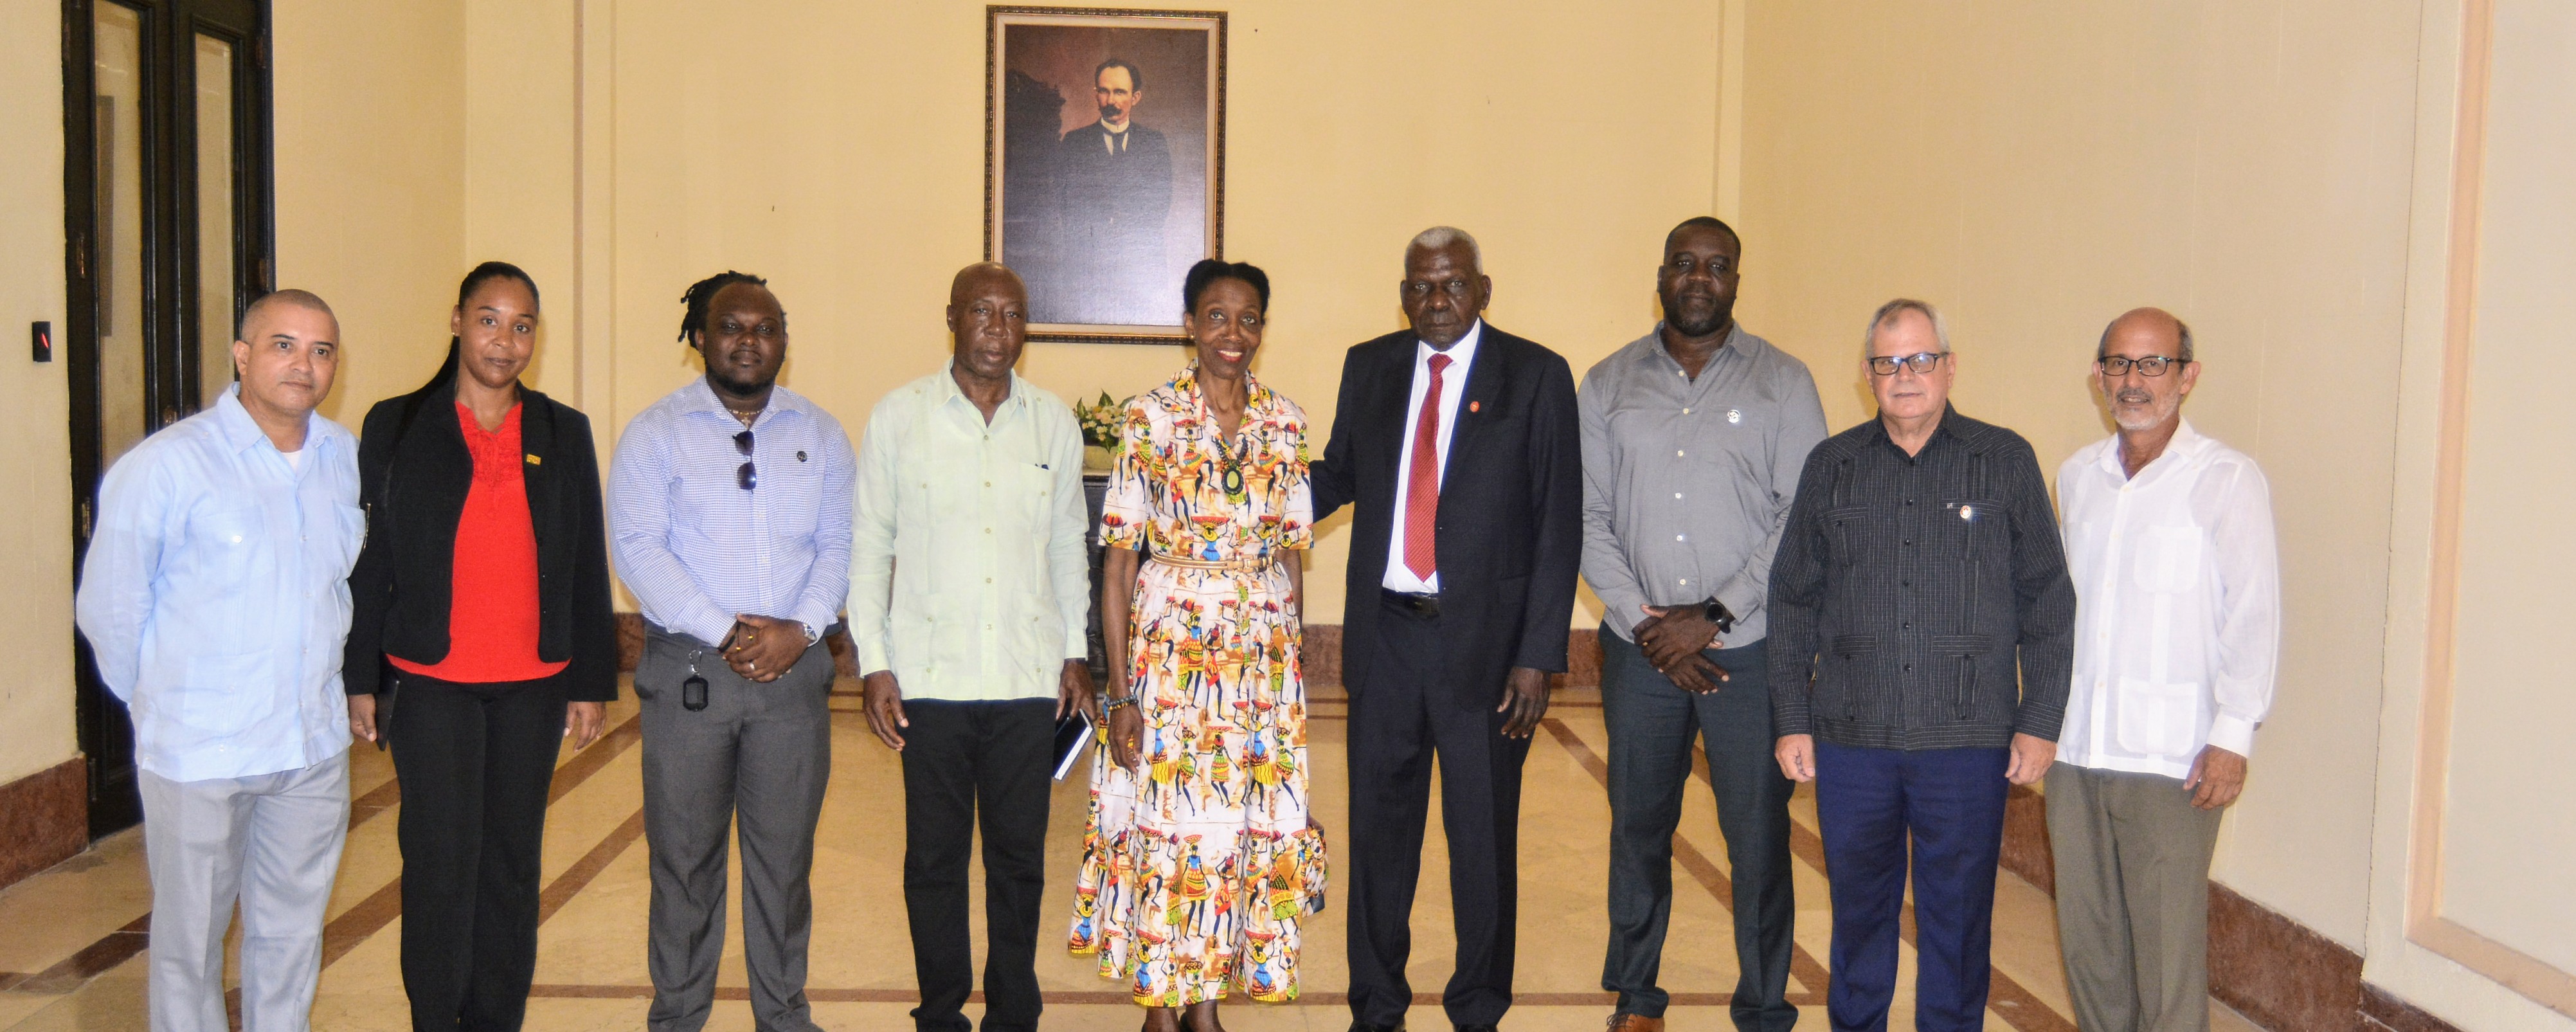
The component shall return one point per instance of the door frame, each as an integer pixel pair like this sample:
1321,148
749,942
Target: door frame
169,282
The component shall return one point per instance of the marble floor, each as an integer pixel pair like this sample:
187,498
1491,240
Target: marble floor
72,944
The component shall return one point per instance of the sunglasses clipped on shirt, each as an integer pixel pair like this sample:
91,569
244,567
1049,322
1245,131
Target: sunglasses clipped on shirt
748,475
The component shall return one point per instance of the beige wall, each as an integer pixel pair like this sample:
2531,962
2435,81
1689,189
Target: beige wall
844,161
371,160
2035,169
36,547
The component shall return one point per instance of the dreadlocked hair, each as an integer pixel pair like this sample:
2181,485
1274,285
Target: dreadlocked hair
703,293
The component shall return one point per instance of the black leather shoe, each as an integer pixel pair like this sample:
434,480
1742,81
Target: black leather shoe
1473,1028
1362,1026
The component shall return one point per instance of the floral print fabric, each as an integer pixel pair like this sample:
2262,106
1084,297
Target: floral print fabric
1197,872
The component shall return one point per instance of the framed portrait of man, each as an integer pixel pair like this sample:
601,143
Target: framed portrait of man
1104,163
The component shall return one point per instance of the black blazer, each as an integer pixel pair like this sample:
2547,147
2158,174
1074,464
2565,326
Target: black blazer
1510,531
414,491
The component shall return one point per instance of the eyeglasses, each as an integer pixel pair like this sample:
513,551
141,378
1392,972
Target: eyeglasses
2152,365
749,475
1920,362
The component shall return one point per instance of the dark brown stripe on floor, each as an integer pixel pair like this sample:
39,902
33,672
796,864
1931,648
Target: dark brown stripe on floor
110,950
578,876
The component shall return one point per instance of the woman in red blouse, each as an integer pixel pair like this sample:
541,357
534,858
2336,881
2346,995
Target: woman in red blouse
481,639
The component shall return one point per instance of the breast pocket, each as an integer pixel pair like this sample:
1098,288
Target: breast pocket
1851,533
229,542
2168,559
348,538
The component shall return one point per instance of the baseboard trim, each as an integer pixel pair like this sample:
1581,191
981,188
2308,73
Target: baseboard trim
44,819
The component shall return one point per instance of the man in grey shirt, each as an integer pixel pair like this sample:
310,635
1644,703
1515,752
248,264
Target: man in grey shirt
1693,439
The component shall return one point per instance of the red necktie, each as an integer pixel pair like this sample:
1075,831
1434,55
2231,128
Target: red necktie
1422,487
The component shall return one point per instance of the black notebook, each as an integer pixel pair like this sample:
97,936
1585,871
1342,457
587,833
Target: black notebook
1072,741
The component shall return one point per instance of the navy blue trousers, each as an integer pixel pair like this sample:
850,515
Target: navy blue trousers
1950,802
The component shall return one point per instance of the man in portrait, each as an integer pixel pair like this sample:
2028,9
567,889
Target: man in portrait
1116,178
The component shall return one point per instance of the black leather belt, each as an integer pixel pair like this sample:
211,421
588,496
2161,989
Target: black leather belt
1418,605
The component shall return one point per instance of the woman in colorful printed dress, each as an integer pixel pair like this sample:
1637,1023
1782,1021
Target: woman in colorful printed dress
1200,861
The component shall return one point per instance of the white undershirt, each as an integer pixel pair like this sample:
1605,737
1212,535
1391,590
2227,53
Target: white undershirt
294,460
1453,389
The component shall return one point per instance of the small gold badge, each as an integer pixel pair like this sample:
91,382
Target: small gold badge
535,460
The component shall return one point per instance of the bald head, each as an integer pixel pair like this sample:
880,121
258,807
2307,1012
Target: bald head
988,312
275,301
983,276
2150,325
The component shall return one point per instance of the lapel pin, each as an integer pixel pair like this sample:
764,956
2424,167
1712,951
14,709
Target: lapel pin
535,460
1735,415
800,456
1475,406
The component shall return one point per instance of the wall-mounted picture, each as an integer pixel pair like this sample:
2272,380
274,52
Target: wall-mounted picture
1104,163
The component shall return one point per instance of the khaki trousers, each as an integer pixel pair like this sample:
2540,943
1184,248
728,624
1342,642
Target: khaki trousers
2132,898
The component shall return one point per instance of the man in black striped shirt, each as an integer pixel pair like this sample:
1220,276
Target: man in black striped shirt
1920,571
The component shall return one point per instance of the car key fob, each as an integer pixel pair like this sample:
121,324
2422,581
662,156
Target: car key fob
693,693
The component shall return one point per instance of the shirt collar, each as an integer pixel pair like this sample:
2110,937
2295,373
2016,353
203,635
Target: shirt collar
1738,344
240,431
702,398
1117,130
1461,354
1947,428
2186,442
948,382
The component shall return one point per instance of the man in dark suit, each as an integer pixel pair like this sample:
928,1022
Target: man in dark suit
1117,181
1460,592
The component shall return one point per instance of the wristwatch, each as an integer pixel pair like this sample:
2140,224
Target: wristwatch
1717,614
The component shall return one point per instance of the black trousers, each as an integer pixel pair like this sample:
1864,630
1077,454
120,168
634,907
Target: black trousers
1651,723
971,765
1404,720
475,762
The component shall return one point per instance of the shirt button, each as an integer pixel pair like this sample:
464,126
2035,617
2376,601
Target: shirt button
1909,666
988,483
1686,412
1677,494
1678,452
1681,537
988,530
1685,580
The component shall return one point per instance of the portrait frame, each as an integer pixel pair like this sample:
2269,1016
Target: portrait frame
1103,236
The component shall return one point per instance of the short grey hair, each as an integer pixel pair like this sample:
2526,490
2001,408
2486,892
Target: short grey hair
1888,312
1442,237
2182,353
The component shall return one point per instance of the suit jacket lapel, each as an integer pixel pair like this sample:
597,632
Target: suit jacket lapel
536,442
1395,379
1477,406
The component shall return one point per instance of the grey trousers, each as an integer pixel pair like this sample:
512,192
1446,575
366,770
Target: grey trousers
756,760
2132,898
1651,723
272,842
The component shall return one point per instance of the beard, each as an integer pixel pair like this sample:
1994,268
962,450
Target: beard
725,378
2137,410
1698,317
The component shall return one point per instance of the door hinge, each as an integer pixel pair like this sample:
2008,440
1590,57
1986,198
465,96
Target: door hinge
80,256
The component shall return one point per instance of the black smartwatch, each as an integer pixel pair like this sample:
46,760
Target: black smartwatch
1717,614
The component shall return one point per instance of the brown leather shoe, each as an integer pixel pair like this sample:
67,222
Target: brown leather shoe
1635,1023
